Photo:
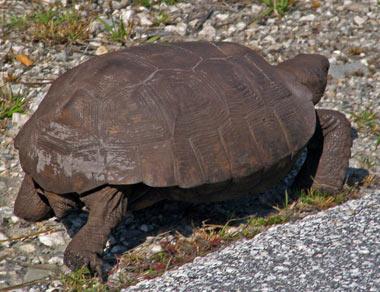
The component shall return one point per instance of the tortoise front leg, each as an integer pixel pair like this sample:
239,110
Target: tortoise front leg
328,154
106,209
31,205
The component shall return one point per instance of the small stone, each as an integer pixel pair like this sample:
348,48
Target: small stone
359,20
14,219
27,248
309,17
222,16
4,237
144,228
127,15
53,239
18,119
36,274
144,20
56,260
256,9
241,26
156,248
101,50
208,32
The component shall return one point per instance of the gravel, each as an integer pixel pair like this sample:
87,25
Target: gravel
345,31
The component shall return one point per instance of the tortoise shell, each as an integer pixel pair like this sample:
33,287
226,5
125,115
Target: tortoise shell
181,114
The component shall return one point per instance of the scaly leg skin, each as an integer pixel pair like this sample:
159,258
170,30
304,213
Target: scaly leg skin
30,203
107,208
328,154
62,204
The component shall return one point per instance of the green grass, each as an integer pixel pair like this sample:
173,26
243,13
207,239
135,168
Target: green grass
277,7
162,18
81,280
16,22
117,31
55,26
368,121
10,102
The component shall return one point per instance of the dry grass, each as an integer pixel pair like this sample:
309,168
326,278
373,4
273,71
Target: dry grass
52,26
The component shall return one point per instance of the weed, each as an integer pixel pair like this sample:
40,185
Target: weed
116,30
59,26
366,119
52,25
366,162
277,7
10,103
162,18
17,22
81,280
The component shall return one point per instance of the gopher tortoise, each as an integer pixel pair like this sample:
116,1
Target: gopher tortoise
190,121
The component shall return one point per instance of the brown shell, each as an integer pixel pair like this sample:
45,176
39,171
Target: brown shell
182,114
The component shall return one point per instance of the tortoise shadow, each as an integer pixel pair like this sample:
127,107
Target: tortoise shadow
174,216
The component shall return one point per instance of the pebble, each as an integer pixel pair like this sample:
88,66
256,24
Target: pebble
309,17
101,50
5,238
359,20
53,239
208,32
156,248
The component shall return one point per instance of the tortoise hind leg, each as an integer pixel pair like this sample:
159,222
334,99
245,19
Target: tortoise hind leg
107,208
328,154
62,204
30,204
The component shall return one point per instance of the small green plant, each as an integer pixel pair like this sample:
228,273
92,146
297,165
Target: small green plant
17,22
59,26
367,120
161,18
81,280
366,162
117,30
277,7
10,103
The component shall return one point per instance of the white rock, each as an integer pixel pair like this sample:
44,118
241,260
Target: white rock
101,50
156,248
208,32
241,25
18,119
56,260
222,16
127,15
144,20
180,28
359,20
53,239
4,237
309,17
256,9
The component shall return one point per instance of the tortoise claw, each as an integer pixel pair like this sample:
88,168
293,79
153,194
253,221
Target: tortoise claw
84,258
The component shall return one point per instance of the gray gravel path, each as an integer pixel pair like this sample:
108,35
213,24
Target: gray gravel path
335,250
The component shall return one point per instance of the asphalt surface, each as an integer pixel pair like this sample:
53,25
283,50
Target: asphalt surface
334,250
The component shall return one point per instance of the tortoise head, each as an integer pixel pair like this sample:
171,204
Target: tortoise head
310,70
